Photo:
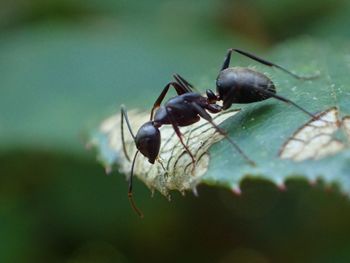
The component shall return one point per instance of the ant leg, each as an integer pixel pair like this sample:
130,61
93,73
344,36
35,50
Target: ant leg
189,86
178,133
288,101
270,64
179,90
130,196
124,115
184,83
227,60
207,117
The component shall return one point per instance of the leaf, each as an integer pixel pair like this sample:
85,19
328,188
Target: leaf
262,129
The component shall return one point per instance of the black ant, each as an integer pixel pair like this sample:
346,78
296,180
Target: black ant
182,110
233,85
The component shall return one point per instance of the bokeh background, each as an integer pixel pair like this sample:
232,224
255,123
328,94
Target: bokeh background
67,64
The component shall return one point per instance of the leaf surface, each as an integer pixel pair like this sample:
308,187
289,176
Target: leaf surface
266,129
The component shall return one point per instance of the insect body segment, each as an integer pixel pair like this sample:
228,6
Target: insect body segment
244,85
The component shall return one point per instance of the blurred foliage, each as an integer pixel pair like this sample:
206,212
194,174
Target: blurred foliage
66,64
272,20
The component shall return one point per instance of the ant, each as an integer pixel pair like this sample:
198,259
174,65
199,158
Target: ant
233,85
182,110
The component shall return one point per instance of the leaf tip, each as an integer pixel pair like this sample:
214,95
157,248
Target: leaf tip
195,191
108,170
236,190
88,146
312,182
282,187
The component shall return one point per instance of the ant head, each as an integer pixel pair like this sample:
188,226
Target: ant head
225,85
212,98
148,141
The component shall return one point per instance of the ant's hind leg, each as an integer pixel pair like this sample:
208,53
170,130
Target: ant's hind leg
288,101
271,64
207,117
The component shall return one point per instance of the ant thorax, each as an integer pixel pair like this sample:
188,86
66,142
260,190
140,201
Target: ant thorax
160,117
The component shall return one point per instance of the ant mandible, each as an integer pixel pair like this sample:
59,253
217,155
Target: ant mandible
182,110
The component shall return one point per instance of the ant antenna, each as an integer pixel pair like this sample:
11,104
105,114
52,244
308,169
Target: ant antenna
124,114
130,196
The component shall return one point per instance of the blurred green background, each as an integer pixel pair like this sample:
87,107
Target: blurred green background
65,65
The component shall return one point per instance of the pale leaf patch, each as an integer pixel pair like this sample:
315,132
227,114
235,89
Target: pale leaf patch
317,138
174,169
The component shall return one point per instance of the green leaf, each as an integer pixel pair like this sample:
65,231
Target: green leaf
261,130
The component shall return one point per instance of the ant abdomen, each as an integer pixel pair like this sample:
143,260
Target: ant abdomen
243,85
